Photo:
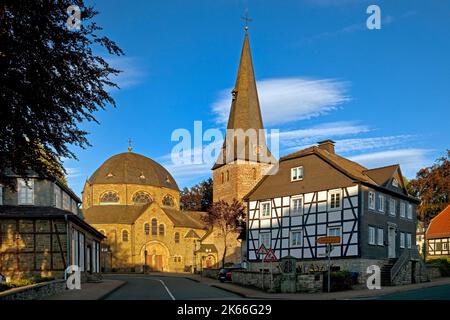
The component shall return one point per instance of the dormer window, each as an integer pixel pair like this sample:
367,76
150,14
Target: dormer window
109,175
297,173
395,183
142,177
26,191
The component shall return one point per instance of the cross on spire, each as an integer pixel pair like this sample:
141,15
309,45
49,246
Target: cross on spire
246,19
129,145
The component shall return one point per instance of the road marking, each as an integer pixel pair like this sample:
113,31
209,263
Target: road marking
167,289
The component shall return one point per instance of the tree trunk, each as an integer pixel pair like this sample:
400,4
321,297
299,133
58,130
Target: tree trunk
224,249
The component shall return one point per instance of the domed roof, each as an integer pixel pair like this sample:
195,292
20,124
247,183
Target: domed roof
133,168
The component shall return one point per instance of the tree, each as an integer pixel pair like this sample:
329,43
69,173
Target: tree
199,197
432,186
50,81
228,218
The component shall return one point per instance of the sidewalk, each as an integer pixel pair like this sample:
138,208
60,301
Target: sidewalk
341,295
89,291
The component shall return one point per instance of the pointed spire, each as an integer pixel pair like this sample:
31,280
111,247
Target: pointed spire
245,112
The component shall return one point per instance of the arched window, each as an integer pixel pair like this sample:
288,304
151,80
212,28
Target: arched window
228,175
124,235
142,197
254,173
177,237
168,201
161,229
147,229
154,227
109,197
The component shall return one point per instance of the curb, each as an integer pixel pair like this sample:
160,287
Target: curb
192,279
231,291
106,295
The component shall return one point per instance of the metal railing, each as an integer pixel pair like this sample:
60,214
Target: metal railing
402,260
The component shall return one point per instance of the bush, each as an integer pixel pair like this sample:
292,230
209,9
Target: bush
24,282
340,281
443,264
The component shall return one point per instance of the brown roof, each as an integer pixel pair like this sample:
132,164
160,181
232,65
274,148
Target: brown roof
109,214
133,168
440,225
245,114
212,248
183,218
383,174
352,170
191,234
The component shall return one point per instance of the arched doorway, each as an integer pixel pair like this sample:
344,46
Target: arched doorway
156,256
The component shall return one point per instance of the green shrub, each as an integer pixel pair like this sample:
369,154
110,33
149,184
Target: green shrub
340,281
443,264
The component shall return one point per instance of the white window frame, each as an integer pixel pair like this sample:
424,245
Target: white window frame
295,173
380,236
335,227
381,199
300,209
402,240
332,202
402,209
408,240
409,211
269,239
28,197
395,183
261,210
292,244
392,207
372,200
372,236
445,246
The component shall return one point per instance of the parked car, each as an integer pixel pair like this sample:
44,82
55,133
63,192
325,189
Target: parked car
225,273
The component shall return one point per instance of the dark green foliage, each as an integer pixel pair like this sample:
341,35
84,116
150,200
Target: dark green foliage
443,264
199,197
50,81
340,281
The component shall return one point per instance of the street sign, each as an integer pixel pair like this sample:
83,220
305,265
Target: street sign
262,250
270,256
329,240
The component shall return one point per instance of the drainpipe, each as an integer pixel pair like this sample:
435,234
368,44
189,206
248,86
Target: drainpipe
67,244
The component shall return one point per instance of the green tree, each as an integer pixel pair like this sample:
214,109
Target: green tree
51,80
432,186
198,197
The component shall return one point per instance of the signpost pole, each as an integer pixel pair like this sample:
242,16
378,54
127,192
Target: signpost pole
329,266
262,272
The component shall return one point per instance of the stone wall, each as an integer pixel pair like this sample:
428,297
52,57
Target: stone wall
434,272
310,283
210,273
35,291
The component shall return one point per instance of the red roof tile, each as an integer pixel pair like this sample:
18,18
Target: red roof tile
440,225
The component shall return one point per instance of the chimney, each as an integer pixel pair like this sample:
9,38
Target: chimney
327,145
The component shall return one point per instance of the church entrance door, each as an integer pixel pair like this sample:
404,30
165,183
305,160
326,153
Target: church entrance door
155,262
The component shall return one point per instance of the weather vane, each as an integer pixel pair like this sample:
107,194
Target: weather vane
246,19
129,145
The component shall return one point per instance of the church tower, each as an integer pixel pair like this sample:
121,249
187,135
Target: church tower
243,159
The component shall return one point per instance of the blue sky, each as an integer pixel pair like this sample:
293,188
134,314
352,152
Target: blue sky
382,95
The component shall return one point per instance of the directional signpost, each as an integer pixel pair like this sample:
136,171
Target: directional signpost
329,241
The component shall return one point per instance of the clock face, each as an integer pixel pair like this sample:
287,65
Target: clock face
258,149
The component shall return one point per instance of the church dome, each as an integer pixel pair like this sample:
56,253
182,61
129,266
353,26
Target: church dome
133,168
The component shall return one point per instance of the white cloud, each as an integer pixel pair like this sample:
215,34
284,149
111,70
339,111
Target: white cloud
73,172
285,100
297,139
358,144
410,160
132,72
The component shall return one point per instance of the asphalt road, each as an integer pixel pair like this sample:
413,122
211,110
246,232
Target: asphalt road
432,293
142,287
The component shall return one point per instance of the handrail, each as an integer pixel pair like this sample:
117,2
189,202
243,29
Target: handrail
405,257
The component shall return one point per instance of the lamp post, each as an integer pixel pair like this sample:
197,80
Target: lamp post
147,231
194,264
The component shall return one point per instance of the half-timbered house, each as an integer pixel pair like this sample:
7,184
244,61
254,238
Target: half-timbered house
317,193
438,235
42,231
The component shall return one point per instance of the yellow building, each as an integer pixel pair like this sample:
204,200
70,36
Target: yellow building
135,202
